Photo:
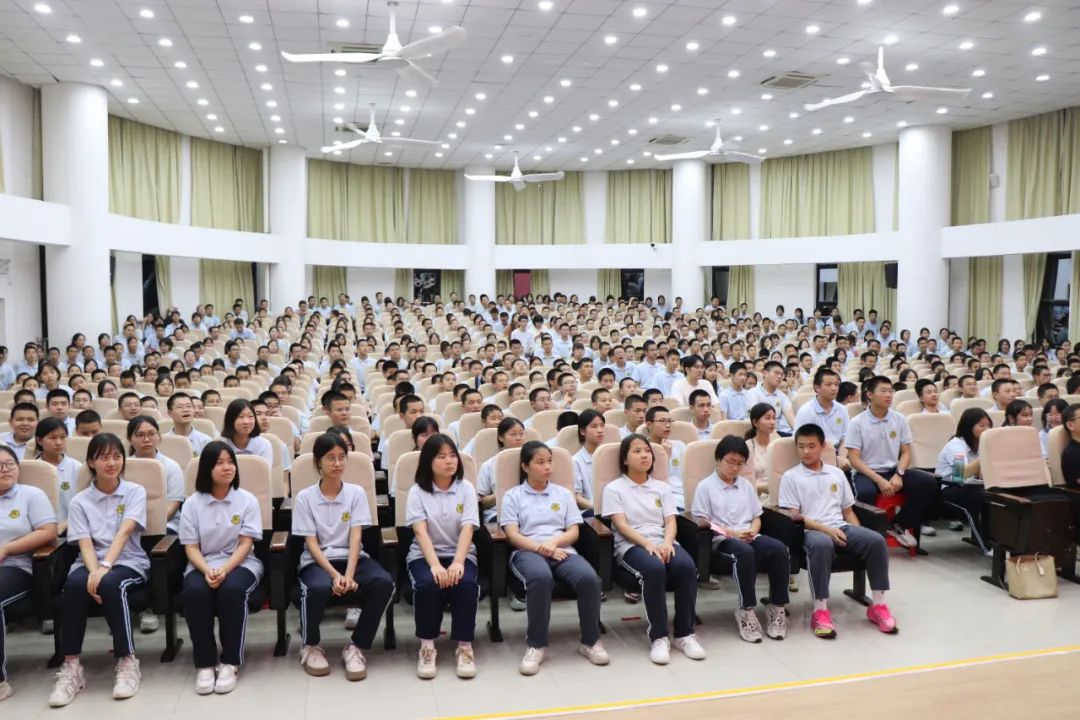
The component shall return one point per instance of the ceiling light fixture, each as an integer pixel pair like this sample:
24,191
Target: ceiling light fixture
1033,16
890,40
410,93
987,95
255,46
787,141
470,111
339,106
73,39
434,29
519,126
763,128
133,100
613,103
631,131
762,151
545,5
192,85
566,82
202,102
116,83
399,121
594,117
813,29
479,96
629,161
653,120
736,111
389,153
793,115
967,45
843,60
260,68
533,114
911,67
635,87
676,107
211,116
548,99
576,128
438,154
733,74
902,124
180,65
279,130
267,86
1041,50
661,68
338,120
165,42
275,118
1042,78
614,142
507,59
640,12
43,9
246,19
460,123
942,111
815,131
703,91
950,9
96,62
848,120
978,72
598,151
452,136
271,103
489,156
562,138
342,23
766,96
728,20
583,159
769,53
867,134
610,39
692,46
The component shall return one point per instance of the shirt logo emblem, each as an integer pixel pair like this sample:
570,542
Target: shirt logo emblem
892,434
14,514
834,487
65,486
460,508
675,462
121,509
658,503
235,520
346,516
556,507
839,420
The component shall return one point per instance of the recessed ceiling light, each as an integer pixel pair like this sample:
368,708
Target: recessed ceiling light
519,126
165,42
867,134
610,39
410,93
635,87
42,8
762,151
1041,50
950,9
902,124
594,117
342,23
116,83
337,152
275,118
96,62
703,91
202,102
566,82
211,116
613,103
507,59
738,138
864,2
632,131
434,29
489,156
787,141
389,153
733,74
813,29
545,5
460,123
180,65
911,67
399,121
710,123
339,90
629,161
692,46
646,153
246,19
736,111
480,96
548,99
562,138
793,115
73,39
978,72
470,111
766,96
890,40
640,12
728,20
676,107
271,103
769,53
815,131
339,106
763,128
438,154
338,120
255,46
260,68
133,100
942,111
598,151
576,128
1033,16
282,142
1042,78
267,87
848,120
987,95
340,72
843,60
583,159
653,120
614,141
548,148
967,45
279,130
192,85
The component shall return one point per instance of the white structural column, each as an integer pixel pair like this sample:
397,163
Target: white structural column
690,226
922,296
479,209
288,220
75,172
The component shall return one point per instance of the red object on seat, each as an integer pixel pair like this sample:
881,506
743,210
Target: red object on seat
890,504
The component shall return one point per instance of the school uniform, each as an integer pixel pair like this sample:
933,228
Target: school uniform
676,461
822,495
445,513
966,497
96,516
833,423
7,376
198,440
733,404
485,485
215,527
330,521
735,505
779,402
878,442
259,446
645,373
23,509
67,473
706,432
682,389
646,507
541,515
583,473
8,439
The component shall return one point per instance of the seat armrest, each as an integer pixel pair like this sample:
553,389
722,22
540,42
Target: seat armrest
596,543
786,526
1075,492
287,504
496,533
46,551
598,527
389,537
500,559
871,517
1007,497
382,501
279,541
164,545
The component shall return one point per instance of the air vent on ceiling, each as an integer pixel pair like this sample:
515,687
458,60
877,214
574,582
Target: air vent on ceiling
667,140
789,81
355,48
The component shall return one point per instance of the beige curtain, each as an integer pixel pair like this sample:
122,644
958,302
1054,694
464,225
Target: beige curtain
550,213
1032,188
730,201
226,186
741,286
1074,302
504,282
1034,271
453,281
971,153
540,282
862,285
221,282
829,193
984,297
608,282
144,171
164,283
360,203
432,216
639,207
328,281
403,284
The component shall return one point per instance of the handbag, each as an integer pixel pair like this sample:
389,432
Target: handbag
1031,577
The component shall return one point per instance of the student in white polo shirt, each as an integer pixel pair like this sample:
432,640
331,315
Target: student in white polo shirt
509,434
658,429
826,413
879,448
27,522
540,519
768,391
106,521
728,504
591,428
701,413
820,493
732,400
182,411
929,397
51,436
219,525
442,510
23,421
331,516
694,367
642,511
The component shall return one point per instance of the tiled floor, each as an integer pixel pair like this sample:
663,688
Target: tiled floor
944,611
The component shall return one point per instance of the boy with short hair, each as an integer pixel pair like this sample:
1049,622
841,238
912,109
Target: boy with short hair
23,421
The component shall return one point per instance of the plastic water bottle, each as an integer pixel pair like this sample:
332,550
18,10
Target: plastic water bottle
958,468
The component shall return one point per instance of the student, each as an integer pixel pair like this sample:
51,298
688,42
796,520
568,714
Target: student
769,392
665,379
128,406
330,517
1003,391
58,403
23,421
642,511
442,510
1070,456
87,423
820,493
509,434
727,503
219,525
701,413
241,431
106,521
1052,416
762,432
28,523
471,402
591,429
732,400
826,413
879,449
658,430
694,367
964,493
50,437
490,417
182,411
1018,414
929,397
540,519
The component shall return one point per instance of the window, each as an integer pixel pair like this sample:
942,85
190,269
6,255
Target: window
426,284
721,275
826,288
1053,321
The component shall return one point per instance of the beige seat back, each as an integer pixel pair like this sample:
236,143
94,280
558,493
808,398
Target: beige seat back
256,476
684,431
854,409
521,409
177,448
216,415
606,469
615,418
722,429
76,447
781,456
359,470
959,405
682,414
929,434
151,475
1011,457
1057,440
508,471
43,476
699,464
282,428
545,423
468,426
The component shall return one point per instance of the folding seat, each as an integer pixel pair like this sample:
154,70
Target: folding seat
724,428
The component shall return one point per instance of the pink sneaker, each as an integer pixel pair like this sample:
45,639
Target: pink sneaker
880,616
821,624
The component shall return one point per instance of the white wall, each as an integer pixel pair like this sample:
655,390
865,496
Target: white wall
16,136
368,281
20,295
789,285
128,283
958,295
884,186
658,282
580,282
184,278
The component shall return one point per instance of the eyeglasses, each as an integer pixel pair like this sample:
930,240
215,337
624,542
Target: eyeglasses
145,435
663,421
8,466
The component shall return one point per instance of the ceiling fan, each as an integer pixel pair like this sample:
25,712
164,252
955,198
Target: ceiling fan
393,54
516,178
878,82
372,135
719,149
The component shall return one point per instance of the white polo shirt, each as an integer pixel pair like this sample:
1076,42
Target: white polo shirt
646,507
834,422
8,439
216,527
68,478
777,399
445,512
820,495
198,440
95,516
733,404
23,509
540,514
330,521
583,473
675,466
879,440
732,505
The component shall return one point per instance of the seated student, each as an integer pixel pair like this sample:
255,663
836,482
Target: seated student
565,419
58,402
490,417
820,493
23,421
701,413
1047,391
964,493
87,423
211,398
106,522
219,525
642,511
762,432
826,413
1070,456
1053,415
732,400
1003,391
849,392
658,430
182,411
144,436
1018,413
50,437
509,434
540,398
330,517
929,397
128,406
442,511
601,400
540,519
471,402
591,429
28,524
82,400
728,503
241,431
769,391
879,448
694,368
148,403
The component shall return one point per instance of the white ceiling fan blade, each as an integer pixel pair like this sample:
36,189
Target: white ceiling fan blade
918,92
543,177
746,156
331,57
850,97
433,44
408,141
344,146
411,68
353,127
693,155
488,178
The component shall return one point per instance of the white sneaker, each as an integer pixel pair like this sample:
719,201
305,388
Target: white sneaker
775,622
70,680
425,663
226,679
713,583
903,536
954,525
204,681
355,665
749,626
128,678
148,621
352,616
313,660
660,652
466,662
596,654
690,647
516,603
928,530
530,664
6,690
47,627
